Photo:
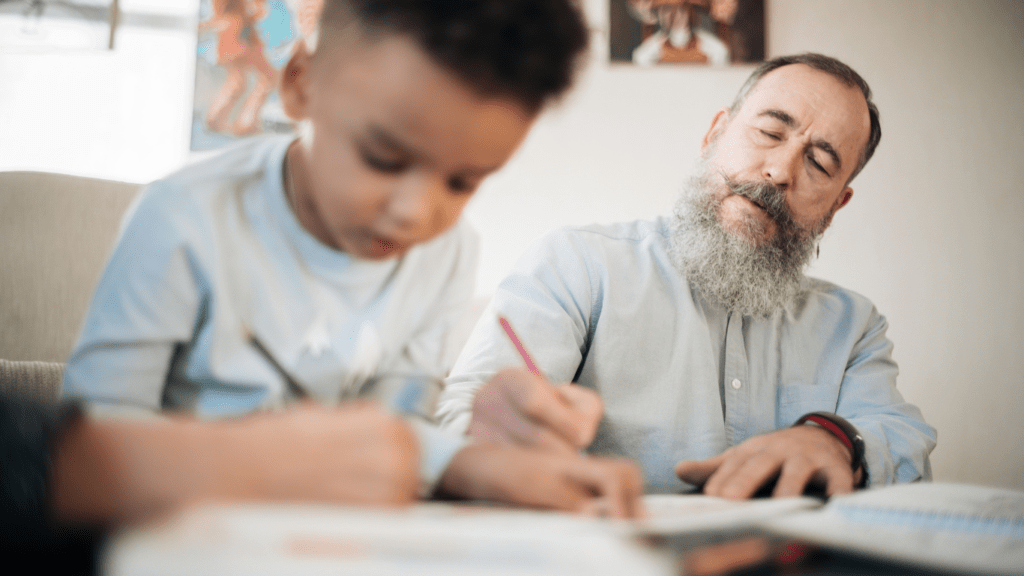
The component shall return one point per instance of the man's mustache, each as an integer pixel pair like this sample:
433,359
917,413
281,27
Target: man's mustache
771,198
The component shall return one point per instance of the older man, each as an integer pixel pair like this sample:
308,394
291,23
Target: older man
717,361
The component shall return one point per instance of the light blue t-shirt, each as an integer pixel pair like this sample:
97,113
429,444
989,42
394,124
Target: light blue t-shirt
213,251
680,377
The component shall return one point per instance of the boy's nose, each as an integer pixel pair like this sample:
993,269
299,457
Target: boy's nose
412,203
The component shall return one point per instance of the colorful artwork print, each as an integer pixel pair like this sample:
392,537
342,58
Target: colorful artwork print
242,47
708,32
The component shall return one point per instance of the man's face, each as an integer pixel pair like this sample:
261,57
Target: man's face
800,129
395,145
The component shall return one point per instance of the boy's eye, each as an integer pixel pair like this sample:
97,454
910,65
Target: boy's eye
461,185
383,163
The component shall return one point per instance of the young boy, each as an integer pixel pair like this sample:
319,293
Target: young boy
341,250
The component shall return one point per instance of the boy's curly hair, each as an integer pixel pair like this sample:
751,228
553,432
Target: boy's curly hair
526,49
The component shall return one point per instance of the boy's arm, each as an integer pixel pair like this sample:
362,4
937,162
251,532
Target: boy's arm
108,471
146,303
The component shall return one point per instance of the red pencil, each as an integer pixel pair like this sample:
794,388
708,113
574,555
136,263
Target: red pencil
519,345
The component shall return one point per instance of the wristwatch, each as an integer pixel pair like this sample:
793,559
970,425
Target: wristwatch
846,433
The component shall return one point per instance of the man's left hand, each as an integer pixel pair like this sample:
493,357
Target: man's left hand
798,456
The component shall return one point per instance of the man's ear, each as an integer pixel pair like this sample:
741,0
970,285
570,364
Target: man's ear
295,80
718,124
844,199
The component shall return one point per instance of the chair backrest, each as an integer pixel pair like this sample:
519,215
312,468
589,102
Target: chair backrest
56,232
31,379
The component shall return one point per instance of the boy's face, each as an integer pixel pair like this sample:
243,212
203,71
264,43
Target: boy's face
395,145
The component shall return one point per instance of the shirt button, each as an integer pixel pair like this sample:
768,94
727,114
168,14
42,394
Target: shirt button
736,384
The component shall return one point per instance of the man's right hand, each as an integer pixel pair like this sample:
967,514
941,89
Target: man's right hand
520,408
602,487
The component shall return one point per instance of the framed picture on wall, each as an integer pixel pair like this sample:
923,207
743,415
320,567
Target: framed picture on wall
242,47
696,32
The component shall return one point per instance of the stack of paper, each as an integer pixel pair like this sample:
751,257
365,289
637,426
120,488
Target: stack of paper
428,539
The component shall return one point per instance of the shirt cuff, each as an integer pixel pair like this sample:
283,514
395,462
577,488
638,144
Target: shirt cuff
437,448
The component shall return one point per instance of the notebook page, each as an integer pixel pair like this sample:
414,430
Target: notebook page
939,525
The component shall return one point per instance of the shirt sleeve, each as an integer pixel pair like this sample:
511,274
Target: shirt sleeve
897,439
437,448
547,299
146,303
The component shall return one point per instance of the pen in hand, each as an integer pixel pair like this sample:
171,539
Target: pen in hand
532,367
293,385
519,346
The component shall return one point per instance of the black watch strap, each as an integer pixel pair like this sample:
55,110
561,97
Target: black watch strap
845,432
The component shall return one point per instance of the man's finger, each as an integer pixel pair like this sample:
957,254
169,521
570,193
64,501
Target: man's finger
697,472
537,400
514,430
587,406
793,479
618,485
838,480
742,477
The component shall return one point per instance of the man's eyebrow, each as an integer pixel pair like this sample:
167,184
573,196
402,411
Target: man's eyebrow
790,122
827,148
781,116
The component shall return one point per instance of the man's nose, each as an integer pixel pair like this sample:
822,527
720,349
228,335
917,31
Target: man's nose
781,165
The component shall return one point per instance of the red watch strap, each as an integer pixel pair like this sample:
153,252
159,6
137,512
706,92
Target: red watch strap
835,430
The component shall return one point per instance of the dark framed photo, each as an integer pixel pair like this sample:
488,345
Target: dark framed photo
696,32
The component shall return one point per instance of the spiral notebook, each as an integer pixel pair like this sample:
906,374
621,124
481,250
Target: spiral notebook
948,526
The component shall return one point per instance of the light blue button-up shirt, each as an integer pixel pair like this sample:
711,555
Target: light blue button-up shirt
682,378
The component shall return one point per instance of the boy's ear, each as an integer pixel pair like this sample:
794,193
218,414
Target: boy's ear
295,80
718,124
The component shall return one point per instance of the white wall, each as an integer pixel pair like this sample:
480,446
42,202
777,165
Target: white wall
933,234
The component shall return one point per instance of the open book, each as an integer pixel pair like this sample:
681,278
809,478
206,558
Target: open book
948,527
944,526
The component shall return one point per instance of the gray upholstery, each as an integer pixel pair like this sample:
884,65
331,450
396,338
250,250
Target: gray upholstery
56,232
31,378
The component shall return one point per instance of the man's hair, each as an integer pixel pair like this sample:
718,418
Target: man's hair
836,69
525,49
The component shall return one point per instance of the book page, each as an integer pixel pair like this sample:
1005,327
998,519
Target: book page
679,513
938,525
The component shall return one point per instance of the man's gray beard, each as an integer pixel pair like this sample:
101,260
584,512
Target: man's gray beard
730,268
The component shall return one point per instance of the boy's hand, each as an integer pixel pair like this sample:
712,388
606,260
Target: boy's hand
519,407
543,479
110,471
799,456
356,453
